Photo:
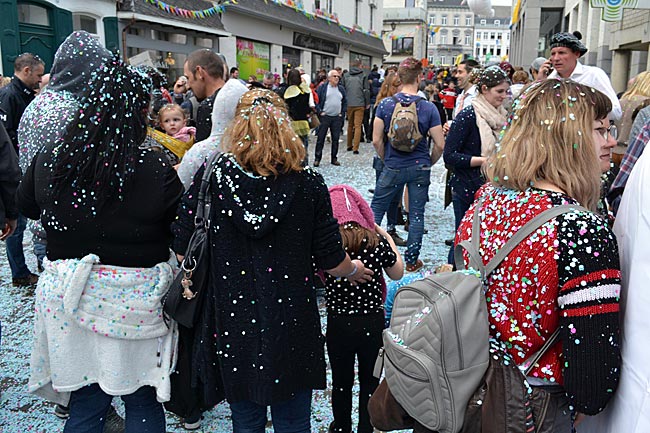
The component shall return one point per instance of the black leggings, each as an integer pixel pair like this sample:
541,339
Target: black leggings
348,336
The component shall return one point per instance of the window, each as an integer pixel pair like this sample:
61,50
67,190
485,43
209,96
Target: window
493,35
84,22
443,39
468,21
468,40
456,20
478,52
317,4
409,3
356,12
204,42
444,20
431,60
403,46
432,19
485,35
443,60
483,22
32,14
497,22
431,40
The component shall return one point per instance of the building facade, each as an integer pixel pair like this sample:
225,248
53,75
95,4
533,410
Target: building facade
256,35
492,37
404,31
533,24
453,23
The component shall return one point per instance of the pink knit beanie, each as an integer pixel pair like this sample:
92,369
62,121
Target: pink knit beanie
349,206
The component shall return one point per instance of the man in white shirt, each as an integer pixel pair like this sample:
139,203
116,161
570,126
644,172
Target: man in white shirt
463,74
566,49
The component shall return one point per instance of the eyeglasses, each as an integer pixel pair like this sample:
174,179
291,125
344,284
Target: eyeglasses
336,76
612,131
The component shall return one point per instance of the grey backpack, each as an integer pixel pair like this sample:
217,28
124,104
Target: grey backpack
436,348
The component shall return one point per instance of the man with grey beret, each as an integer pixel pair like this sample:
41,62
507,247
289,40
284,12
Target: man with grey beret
566,49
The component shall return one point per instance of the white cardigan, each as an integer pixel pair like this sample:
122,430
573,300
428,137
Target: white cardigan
101,324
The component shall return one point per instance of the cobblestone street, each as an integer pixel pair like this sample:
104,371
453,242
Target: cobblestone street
21,412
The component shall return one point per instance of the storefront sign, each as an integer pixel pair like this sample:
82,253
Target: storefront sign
253,58
315,43
613,9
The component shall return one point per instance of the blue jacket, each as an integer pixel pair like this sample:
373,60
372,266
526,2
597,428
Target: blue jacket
321,91
463,142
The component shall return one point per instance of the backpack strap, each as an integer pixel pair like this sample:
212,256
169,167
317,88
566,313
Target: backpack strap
529,364
520,235
204,197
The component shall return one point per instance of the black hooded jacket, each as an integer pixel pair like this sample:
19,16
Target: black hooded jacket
9,178
260,321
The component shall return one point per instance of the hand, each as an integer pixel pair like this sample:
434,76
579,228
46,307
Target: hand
545,70
579,418
362,275
445,128
9,228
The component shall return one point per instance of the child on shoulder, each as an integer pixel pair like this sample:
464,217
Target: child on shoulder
355,313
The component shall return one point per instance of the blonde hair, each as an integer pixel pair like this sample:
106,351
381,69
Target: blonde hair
169,108
550,138
261,137
640,86
389,87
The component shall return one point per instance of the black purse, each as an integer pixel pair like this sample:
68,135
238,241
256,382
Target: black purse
185,295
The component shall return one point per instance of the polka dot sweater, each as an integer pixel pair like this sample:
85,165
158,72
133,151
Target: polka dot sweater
565,274
345,299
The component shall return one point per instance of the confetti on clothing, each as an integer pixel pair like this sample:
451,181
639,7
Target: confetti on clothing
101,324
343,298
565,274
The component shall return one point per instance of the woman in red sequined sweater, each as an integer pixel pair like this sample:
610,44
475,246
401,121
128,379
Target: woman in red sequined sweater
567,273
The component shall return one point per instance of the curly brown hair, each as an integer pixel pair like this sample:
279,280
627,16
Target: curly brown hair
261,137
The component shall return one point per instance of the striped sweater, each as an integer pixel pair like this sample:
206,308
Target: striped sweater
565,274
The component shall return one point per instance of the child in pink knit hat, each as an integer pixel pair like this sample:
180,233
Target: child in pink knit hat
355,314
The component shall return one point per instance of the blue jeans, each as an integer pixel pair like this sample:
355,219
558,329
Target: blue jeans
290,416
89,406
393,209
15,253
334,124
391,182
461,200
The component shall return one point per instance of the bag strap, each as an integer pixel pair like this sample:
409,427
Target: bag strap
204,198
531,361
520,235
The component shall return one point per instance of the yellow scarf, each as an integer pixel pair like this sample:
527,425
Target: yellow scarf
177,147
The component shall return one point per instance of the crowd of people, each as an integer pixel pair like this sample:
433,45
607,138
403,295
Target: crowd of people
108,163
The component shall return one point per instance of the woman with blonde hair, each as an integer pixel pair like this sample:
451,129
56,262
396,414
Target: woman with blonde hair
566,275
259,338
636,97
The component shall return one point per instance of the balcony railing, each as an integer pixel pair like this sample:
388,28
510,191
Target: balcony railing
405,14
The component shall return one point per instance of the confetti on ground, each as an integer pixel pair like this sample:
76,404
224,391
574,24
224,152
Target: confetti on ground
21,412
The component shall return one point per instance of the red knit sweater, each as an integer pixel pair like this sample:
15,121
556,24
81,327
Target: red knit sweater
565,274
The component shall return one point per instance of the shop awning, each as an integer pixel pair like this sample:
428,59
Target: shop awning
174,15
279,14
